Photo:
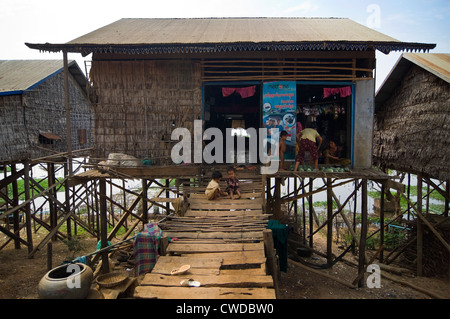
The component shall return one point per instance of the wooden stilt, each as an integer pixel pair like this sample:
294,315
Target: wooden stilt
419,227
382,221
329,220
27,206
362,240
103,225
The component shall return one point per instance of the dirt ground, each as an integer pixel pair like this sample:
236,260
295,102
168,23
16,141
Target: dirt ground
20,276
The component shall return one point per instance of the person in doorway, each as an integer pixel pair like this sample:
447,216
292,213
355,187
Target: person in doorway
213,190
233,184
282,148
331,154
307,143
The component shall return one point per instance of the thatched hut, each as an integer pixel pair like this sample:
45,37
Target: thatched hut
152,75
412,127
33,118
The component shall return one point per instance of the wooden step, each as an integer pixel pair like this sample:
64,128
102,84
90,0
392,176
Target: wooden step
203,293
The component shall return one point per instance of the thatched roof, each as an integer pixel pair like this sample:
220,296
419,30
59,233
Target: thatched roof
412,111
18,76
208,35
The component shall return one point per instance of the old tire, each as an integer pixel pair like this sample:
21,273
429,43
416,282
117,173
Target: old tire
70,281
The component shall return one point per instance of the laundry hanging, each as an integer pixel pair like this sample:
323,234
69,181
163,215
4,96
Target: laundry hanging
342,91
243,92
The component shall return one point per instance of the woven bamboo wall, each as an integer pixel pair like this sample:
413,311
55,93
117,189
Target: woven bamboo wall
412,129
137,103
13,137
23,116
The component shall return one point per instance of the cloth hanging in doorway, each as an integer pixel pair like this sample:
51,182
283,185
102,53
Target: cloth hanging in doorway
243,92
342,91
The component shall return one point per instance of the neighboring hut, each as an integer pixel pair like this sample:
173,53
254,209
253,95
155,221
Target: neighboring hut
412,135
32,109
152,75
412,116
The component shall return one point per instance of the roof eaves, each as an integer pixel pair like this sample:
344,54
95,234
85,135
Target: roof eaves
86,49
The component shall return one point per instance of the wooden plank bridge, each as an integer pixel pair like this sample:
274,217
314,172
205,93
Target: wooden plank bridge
223,242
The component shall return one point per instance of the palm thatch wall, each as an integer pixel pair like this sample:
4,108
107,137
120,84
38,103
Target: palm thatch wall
24,116
412,128
139,103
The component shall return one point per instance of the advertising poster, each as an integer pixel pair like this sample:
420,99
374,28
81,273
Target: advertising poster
280,111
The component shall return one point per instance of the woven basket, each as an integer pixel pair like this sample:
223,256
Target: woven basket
111,279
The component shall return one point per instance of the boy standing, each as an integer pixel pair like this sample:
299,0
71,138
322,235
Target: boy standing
282,148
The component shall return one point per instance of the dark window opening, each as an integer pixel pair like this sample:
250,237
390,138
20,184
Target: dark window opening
237,107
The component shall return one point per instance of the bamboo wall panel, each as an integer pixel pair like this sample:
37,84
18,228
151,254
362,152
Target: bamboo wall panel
345,69
137,103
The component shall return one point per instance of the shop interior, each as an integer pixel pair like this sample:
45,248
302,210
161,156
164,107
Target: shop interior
327,106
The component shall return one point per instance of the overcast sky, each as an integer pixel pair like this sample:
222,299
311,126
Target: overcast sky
56,21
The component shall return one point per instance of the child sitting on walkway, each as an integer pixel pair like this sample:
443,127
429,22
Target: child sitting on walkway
213,190
232,184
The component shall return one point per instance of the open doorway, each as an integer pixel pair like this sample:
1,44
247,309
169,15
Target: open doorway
329,108
233,106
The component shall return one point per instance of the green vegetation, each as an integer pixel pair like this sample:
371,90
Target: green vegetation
21,188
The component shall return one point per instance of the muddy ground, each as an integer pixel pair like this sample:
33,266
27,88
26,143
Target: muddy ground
19,277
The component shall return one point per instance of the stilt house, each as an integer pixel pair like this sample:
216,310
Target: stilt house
152,75
32,111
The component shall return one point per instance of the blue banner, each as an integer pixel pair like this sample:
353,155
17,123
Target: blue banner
280,111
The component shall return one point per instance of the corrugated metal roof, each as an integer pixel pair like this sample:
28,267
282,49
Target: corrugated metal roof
17,76
230,30
226,34
435,63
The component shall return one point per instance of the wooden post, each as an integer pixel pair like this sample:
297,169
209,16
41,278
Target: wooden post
277,199
67,108
26,181
330,221
67,202
362,240
51,203
382,221
270,251
103,226
167,196
16,214
419,226
144,201
355,204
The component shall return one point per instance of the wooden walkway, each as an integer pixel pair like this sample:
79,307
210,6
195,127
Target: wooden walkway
223,243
